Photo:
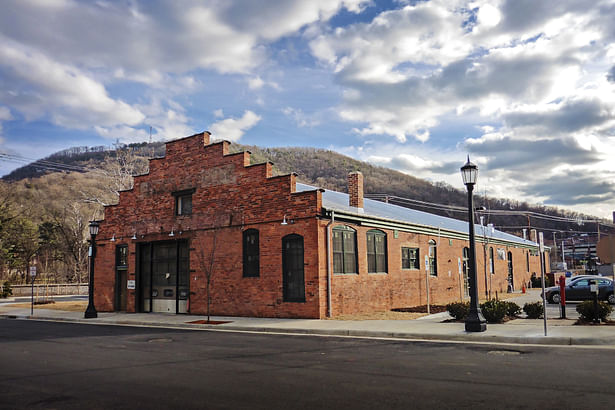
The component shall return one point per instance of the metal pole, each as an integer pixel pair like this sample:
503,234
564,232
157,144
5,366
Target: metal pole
544,300
475,322
90,312
31,290
427,286
484,254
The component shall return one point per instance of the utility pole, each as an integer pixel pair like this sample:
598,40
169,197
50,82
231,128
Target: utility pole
554,247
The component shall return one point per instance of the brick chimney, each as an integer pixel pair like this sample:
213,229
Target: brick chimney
355,189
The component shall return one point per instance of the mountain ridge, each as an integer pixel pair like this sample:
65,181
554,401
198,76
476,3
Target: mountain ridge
328,169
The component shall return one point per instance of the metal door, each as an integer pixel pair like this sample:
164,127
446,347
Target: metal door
164,284
466,274
293,281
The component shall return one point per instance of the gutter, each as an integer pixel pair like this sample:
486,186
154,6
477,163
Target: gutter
329,262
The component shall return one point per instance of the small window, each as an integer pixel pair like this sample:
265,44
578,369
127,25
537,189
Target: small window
527,260
183,202
121,256
491,261
410,258
433,258
250,253
344,250
376,251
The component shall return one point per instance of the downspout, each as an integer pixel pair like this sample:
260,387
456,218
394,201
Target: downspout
329,262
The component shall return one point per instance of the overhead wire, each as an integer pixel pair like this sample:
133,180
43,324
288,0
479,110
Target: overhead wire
488,212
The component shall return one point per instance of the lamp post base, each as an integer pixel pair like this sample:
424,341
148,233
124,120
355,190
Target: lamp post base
90,312
475,322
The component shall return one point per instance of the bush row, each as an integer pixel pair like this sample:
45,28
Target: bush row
493,310
587,312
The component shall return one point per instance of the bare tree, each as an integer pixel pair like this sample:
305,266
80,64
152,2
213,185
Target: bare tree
206,256
116,175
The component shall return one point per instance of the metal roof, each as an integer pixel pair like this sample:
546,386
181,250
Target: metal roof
338,201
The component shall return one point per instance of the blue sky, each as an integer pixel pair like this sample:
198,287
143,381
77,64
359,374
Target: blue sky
526,87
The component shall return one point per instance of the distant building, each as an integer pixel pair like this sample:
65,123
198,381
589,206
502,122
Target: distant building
281,248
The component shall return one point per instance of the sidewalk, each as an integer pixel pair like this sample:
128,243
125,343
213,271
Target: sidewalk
524,331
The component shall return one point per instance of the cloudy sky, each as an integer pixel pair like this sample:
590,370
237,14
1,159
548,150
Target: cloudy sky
525,87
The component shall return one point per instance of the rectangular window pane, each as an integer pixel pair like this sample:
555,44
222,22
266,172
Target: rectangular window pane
381,263
405,258
349,263
338,262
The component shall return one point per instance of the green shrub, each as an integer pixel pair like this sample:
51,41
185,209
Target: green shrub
494,311
512,309
6,290
458,310
533,310
587,312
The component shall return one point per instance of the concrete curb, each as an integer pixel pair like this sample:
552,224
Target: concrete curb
459,337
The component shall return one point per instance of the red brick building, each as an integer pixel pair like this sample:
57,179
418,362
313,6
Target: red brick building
272,247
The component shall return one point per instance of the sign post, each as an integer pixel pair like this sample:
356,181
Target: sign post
32,276
427,281
541,243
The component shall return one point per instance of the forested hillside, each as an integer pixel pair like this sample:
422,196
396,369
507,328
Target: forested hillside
45,206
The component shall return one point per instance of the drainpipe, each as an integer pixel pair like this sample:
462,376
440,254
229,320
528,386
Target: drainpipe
329,262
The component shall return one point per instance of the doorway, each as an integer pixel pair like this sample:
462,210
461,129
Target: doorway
466,274
511,283
293,281
121,277
164,271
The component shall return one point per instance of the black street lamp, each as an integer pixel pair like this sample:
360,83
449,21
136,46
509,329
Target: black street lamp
90,312
475,322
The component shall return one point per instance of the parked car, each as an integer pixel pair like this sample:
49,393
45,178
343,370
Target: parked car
578,289
568,280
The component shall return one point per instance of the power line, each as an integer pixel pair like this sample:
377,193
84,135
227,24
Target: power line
489,212
46,164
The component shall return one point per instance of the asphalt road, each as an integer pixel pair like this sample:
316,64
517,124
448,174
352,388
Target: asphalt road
46,365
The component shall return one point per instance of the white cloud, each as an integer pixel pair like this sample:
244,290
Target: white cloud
38,86
300,118
255,83
5,114
232,129
408,68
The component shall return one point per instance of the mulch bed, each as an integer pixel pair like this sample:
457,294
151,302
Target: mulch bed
208,322
580,322
422,309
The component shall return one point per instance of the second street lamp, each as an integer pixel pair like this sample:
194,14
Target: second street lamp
475,322
90,312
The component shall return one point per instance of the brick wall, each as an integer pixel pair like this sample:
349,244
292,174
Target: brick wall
230,196
369,292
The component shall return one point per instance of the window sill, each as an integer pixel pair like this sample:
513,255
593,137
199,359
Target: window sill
378,273
413,269
345,274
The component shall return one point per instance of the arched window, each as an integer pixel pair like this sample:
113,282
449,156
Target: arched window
433,258
344,250
376,251
491,261
250,253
